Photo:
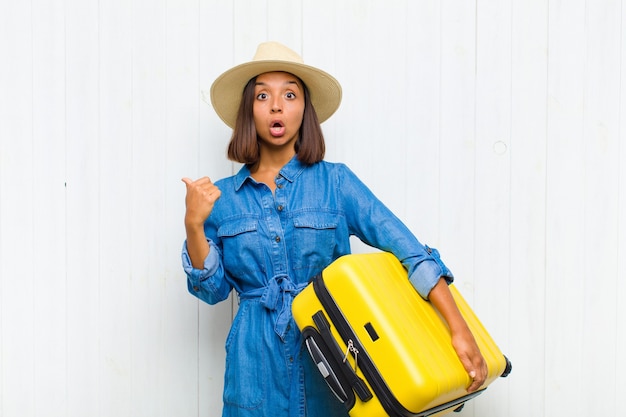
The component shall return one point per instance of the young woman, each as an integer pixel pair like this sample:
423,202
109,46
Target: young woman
266,231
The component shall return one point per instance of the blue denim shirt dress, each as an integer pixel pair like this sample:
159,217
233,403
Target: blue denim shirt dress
267,247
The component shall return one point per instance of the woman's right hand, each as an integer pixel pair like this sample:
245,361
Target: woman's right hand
199,201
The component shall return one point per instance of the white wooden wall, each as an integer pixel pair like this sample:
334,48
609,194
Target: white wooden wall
494,128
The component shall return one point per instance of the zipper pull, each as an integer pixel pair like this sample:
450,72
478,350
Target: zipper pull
354,351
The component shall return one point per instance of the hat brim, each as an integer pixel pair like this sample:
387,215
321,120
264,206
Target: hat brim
227,89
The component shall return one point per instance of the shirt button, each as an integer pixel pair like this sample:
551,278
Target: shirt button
195,288
277,239
280,185
280,208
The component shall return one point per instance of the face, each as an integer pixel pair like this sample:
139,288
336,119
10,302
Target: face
278,108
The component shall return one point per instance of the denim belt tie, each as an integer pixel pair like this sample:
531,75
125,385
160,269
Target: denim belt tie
277,296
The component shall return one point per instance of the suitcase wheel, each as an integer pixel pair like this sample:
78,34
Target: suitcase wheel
508,368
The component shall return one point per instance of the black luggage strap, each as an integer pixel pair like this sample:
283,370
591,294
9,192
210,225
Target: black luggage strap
357,384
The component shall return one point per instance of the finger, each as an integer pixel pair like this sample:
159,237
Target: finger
478,378
474,386
204,180
217,194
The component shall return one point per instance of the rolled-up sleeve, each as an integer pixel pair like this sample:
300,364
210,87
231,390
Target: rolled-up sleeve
208,284
428,272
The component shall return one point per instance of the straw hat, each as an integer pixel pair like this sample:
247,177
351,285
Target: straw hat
227,89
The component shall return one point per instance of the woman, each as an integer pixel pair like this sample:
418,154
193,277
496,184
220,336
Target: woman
266,231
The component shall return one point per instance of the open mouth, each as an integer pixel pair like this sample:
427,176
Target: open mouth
277,128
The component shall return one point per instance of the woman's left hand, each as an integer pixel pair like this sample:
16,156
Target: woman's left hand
462,338
469,354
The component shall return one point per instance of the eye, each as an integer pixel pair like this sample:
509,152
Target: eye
261,96
290,95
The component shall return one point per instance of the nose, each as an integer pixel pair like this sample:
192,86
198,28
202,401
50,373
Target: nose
276,106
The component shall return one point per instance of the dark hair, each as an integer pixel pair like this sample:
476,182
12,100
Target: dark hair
244,146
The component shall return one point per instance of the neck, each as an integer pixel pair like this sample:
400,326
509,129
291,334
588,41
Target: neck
271,160
267,169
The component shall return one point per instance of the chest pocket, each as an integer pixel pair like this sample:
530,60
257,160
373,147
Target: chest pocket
241,247
314,240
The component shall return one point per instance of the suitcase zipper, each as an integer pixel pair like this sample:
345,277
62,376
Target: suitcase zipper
354,351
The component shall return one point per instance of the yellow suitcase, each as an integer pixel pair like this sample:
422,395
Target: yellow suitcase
382,349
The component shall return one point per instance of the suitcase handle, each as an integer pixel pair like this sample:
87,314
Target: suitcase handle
357,384
326,369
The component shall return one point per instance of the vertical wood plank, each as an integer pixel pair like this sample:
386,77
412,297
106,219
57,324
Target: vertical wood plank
150,387
356,56
115,204
18,187
181,324
249,29
602,49
422,120
386,75
565,209
82,207
49,296
620,293
492,191
457,141
284,22
373,69
526,341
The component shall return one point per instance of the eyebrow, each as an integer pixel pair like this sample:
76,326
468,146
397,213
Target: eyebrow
285,83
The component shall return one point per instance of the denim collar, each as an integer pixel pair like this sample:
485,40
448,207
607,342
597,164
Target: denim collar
290,172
